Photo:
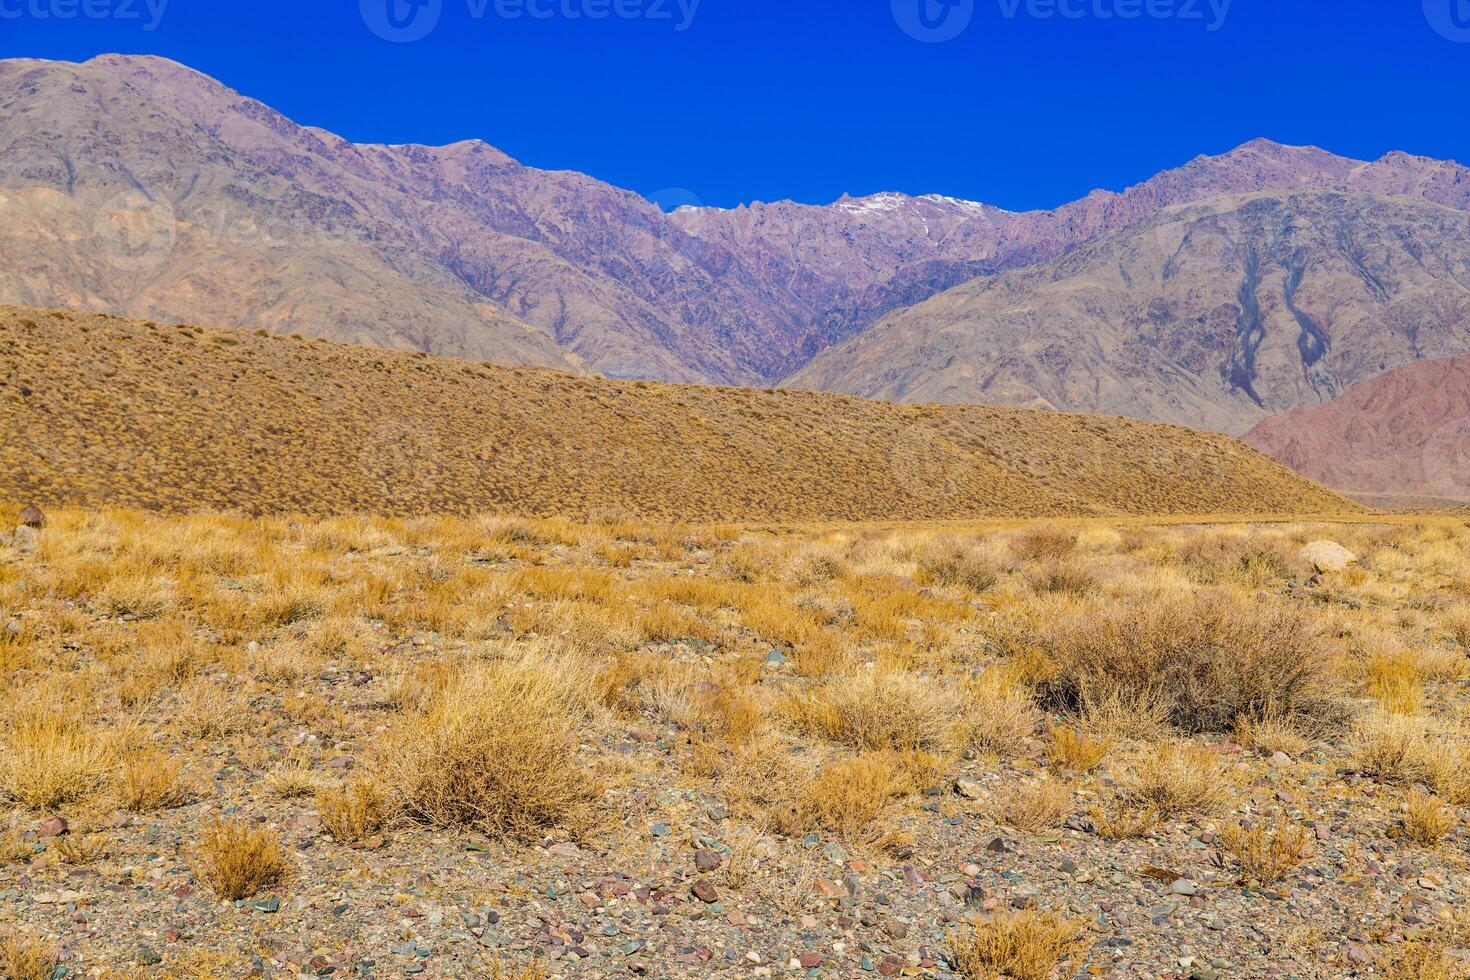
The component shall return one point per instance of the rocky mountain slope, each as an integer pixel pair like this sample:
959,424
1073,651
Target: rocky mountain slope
1406,431
852,261
1212,315
137,186
96,410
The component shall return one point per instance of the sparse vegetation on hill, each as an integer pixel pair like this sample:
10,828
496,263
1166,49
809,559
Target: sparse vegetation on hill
494,746
101,411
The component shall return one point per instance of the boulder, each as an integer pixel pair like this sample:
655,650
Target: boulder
1328,556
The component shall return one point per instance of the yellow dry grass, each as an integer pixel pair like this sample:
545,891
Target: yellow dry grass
497,750
535,679
237,860
133,413
1026,945
1266,856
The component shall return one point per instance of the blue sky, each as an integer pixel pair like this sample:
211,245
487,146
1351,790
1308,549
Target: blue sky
1020,103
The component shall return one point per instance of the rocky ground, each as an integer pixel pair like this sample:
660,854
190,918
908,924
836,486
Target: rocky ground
678,876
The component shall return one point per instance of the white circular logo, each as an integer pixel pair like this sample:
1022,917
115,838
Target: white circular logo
135,232
1446,459
673,198
933,21
401,21
1449,18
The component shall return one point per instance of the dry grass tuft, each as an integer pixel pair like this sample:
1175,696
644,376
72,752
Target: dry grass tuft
1177,781
496,751
1027,945
1071,748
1209,658
1426,819
851,799
1265,857
352,813
23,957
237,860
149,780
50,761
1036,806
880,709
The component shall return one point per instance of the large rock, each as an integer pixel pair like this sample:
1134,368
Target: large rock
1328,556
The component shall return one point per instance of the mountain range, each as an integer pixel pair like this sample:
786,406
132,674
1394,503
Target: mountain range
1214,294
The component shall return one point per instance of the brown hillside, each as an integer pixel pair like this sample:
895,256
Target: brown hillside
1403,432
100,410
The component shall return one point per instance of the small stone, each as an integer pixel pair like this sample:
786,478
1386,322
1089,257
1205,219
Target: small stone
32,517
1281,759
148,956
53,827
776,658
1184,887
970,789
810,960
706,861
704,891
829,889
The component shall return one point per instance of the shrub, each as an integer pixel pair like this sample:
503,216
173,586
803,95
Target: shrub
1426,820
1177,781
851,799
23,957
352,813
49,761
880,708
149,780
1207,659
496,751
1026,945
1071,748
237,860
1264,857
1036,806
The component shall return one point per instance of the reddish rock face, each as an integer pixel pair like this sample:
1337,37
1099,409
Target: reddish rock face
1406,431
